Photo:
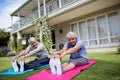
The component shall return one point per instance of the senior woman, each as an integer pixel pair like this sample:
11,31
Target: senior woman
77,51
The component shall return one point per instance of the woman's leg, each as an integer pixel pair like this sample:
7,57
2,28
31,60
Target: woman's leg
58,66
65,64
52,65
68,67
75,62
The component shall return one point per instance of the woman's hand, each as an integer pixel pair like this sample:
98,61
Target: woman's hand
62,55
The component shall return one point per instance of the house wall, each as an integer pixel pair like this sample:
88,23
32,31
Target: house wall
65,26
61,37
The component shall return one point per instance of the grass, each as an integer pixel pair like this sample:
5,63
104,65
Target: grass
107,68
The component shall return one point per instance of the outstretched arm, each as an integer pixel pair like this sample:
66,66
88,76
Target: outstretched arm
24,52
30,53
70,51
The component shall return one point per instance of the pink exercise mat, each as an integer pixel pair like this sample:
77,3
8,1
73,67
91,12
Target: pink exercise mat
46,74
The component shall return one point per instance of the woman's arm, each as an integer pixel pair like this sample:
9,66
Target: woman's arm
70,51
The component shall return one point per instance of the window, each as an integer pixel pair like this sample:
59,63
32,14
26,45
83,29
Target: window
92,31
83,32
102,30
74,27
114,26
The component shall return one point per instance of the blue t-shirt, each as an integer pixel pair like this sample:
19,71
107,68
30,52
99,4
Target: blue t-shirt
80,53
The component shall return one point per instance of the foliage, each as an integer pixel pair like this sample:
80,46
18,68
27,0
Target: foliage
118,48
19,45
11,45
43,31
4,37
4,50
11,53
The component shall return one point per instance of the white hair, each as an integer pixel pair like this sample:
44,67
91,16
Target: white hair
71,35
31,39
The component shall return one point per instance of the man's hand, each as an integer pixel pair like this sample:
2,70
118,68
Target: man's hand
14,58
22,58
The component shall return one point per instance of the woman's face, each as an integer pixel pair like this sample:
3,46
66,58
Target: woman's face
34,44
72,41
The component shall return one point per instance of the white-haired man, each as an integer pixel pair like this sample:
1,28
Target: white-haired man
77,51
35,48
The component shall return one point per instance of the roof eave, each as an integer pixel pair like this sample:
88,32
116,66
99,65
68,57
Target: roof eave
17,10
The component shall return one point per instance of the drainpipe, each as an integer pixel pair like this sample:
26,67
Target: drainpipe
44,3
39,12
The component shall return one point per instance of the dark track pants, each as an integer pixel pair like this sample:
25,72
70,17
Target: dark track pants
36,63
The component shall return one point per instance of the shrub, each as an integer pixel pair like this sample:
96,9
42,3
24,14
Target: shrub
11,53
4,50
118,49
61,46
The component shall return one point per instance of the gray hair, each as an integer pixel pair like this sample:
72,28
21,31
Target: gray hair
31,39
71,35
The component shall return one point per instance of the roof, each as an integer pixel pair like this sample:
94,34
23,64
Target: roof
28,7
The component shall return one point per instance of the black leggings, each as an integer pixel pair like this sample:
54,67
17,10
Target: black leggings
36,63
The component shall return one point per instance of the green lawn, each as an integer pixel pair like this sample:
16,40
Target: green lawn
107,68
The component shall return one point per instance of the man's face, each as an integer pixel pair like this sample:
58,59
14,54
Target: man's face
34,44
72,40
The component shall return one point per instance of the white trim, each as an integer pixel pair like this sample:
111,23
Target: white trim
39,12
44,4
60,4
87,33
66,7
97,33
108,29
19,35
78,30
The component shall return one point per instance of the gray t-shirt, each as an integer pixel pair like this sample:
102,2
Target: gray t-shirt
40,54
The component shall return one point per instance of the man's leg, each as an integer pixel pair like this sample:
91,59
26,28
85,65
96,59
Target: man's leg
37,63
21,65
15,66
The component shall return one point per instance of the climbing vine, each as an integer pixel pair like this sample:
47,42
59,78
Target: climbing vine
43,31
19,45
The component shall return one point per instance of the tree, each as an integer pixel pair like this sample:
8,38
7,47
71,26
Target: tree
4,37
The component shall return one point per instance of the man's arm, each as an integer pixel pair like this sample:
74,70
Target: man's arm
24,52
32,52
